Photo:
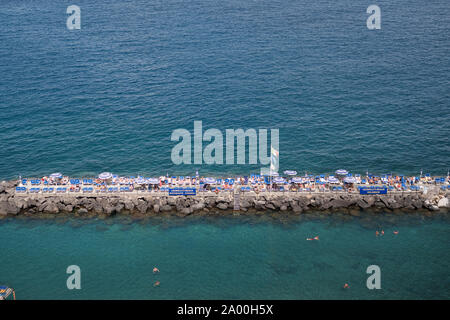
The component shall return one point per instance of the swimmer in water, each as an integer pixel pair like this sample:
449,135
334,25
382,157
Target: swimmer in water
377,233
156,284
155,270
315,238
395,232
382,232
346,286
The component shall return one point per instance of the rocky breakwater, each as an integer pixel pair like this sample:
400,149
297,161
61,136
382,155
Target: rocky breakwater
12,203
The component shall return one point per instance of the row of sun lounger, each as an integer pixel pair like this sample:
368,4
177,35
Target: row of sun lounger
77,182
37,182
110,189
64,189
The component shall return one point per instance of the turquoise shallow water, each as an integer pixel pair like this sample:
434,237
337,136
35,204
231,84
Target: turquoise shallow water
232,258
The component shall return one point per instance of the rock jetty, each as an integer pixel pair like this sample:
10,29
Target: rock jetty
12,203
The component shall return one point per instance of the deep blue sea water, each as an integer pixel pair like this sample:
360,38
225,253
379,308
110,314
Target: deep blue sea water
107,98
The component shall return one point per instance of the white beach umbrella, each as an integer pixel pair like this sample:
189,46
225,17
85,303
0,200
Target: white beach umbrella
153,181
56,175
210,180
279,180
297,180
140,180
332,179
105,175
349,180
341,172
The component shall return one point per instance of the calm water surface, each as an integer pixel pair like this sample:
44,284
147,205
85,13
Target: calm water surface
227,258
107,97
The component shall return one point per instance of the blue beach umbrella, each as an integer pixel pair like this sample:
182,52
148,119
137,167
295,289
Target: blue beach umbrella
341,172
